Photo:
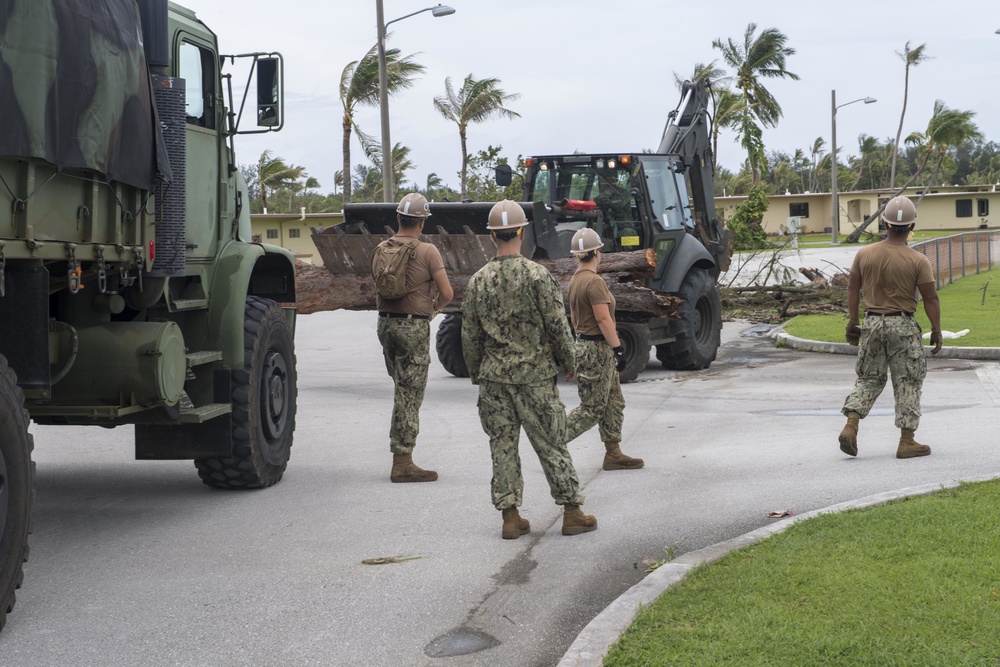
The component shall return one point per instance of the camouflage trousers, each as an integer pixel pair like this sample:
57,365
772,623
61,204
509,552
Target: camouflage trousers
406,348
601,399
890,345
503,410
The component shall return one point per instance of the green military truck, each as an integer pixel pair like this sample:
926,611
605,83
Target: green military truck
131,292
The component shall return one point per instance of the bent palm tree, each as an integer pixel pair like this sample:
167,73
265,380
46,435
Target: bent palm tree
758,57
911,58
359,87
272,172
475,102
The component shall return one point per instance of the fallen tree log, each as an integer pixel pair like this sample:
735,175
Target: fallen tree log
318,289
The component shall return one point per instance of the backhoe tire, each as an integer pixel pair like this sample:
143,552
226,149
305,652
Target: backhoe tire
701,314
449,346
263,395
635,338
16,491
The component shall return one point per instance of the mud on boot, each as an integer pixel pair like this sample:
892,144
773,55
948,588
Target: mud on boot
849,435
576,522
513,525
405,470
910,448
614,459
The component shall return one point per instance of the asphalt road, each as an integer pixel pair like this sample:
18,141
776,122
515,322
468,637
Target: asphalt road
137,563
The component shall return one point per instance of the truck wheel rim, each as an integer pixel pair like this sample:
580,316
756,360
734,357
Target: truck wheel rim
274,395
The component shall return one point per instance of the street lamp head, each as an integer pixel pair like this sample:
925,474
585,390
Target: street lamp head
870,100
442,10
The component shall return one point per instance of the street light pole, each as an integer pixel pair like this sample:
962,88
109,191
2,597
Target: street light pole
834,199
388,193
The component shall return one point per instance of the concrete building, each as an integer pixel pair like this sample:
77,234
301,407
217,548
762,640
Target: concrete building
293,231
948,207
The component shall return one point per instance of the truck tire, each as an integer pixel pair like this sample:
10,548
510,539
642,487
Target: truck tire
635,339
701,314
449,346
263,395
16,476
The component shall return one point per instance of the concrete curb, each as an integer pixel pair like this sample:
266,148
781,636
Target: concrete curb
594,641
783,339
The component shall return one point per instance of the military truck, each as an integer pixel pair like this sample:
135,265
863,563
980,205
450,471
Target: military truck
130,290
660,202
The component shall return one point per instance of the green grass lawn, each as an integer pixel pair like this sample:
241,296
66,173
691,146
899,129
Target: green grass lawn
914,582
963,306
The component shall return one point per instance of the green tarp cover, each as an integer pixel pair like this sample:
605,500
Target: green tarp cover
75,90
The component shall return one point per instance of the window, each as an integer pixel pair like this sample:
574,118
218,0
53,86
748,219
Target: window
983,206
963,208
197,70
293,233
272,233
799,210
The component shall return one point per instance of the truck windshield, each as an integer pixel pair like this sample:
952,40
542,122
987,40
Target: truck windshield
593,181
670,208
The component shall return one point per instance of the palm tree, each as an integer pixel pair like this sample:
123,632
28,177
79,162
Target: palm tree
815,152
272,172
758,57
475,102
359,87
947,129
433,183
724,101
911,58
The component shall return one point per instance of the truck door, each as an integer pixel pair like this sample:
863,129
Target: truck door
198,67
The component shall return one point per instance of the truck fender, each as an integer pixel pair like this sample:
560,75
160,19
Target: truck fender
243,269
689,252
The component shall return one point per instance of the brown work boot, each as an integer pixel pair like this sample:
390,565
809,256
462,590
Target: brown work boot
576,522
910,448
849,436
404,470
513,525
615,460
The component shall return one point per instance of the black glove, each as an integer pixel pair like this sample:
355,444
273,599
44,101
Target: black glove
936,341
853,334
619,357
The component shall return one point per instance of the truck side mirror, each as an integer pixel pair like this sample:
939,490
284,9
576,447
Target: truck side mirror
268,102
504,175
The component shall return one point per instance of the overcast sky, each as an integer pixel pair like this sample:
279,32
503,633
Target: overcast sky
598,75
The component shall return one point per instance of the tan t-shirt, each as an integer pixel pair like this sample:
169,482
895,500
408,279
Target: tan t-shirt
585,289
420,288
890,274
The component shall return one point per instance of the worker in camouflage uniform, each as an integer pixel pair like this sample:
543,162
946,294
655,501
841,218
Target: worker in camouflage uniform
514,338
889,274
404,332
599,354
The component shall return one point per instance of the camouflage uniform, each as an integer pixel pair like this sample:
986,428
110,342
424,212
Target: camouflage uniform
601,399
890,344
406,348
514,337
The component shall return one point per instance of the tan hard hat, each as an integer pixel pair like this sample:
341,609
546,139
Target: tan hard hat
414,205
899,211
506,214
585,240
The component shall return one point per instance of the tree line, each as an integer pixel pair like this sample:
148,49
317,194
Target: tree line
950,149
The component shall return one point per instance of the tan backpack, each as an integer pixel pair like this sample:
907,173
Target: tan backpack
389,262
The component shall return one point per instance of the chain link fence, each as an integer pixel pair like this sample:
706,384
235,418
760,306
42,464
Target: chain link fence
959,255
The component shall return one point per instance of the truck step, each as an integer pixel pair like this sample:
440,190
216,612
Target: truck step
204,357
202,413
